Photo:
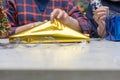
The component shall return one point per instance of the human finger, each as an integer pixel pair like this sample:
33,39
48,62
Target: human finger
54,14
99,15
60,14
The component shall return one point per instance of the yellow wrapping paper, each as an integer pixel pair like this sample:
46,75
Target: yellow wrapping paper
50,32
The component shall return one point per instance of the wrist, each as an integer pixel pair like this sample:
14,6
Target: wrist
71,20
73,23
101,31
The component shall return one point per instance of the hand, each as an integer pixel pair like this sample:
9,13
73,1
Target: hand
99,16
63,17
59,14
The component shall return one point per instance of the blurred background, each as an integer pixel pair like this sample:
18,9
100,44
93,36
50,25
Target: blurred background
82,2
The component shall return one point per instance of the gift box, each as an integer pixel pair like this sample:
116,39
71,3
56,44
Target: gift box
50,32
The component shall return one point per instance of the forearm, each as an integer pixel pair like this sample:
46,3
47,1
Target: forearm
28,26
24,27
101,29
73,23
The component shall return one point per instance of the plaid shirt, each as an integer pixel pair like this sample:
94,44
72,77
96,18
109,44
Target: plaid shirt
21,12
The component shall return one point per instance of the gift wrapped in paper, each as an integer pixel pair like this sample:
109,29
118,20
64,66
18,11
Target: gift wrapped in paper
50,32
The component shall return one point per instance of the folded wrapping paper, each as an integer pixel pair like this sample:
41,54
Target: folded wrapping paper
50,32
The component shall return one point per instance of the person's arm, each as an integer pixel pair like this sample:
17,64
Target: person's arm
62,16
99,16
11,12
27,26
76,13
94,25
73,17
73,23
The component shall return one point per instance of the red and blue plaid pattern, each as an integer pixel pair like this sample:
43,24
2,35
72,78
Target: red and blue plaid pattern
21,12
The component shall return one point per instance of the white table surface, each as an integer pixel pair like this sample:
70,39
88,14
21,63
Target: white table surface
96,55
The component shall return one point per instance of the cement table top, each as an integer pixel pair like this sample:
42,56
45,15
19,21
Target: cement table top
96,55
